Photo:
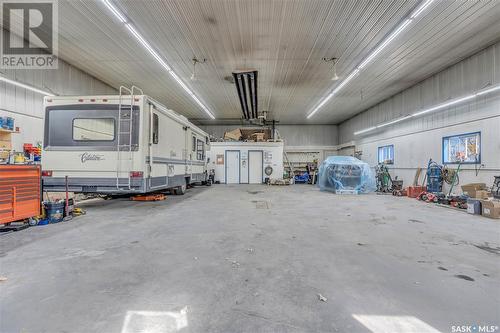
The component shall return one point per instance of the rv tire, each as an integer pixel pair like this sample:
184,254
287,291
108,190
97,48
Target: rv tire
180,190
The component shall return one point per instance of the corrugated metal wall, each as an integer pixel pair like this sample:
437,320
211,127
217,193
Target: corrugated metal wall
26,107
294,135
417,140
467,76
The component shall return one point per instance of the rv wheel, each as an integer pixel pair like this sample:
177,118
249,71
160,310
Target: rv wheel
180,190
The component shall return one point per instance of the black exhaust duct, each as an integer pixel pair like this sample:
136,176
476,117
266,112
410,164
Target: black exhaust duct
246,85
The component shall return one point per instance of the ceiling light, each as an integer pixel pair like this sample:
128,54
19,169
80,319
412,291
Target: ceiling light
335,77
155,55
432,109
196,61
334,67
386,41
26,86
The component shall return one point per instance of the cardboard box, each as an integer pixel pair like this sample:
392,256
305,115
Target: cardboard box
482,194
247,133
471,189
5,144
258,137
234,135
4,155
491,208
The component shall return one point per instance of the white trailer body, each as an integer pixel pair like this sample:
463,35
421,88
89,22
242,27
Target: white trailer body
120,144
246,162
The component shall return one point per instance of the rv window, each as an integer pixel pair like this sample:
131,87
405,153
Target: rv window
194,144
200,152
155,128
93,129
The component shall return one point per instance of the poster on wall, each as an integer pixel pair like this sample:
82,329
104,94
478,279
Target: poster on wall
268,156
220,159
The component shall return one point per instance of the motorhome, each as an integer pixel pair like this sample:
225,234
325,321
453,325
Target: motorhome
126,143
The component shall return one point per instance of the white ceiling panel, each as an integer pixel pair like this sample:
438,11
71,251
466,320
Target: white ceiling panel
285,40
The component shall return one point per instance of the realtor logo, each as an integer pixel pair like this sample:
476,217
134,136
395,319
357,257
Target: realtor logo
29,37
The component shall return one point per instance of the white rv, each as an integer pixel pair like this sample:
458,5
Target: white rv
120,144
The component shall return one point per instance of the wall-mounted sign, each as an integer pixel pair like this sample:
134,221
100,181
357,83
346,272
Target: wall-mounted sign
220,159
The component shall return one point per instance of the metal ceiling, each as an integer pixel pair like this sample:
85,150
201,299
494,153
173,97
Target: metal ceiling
285,40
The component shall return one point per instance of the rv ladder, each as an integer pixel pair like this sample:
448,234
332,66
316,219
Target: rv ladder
124,148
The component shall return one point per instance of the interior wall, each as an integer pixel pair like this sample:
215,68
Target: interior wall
417,140
293,135
26,107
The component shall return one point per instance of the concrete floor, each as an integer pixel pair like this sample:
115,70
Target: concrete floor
253,259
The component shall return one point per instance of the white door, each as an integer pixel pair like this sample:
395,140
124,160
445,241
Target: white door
255,167
232,167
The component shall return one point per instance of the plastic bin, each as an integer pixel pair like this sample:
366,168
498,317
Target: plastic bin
474,206
55,211
43,222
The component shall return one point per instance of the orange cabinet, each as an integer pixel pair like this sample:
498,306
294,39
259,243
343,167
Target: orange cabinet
20,192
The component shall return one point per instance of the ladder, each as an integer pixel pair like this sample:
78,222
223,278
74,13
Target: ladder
124,147
285,155
292,171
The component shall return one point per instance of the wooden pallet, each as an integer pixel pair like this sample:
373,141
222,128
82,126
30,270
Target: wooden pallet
149,197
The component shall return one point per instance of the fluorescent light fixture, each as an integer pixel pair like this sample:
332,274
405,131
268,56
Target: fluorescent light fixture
402,26
327,98
147,46
392,122
115,11
26,86
420,9
346,81
386,42
488,90
365,130
441,106
155,55
432,109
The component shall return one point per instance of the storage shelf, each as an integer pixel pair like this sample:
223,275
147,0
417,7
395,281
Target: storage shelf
3,130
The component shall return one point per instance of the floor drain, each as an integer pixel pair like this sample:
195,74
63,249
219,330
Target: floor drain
261,204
